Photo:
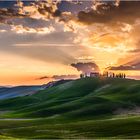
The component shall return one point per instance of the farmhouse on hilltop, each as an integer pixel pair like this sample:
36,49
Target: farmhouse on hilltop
91,74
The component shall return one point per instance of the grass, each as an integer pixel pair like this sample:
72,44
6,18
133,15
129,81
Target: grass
83,108
46,128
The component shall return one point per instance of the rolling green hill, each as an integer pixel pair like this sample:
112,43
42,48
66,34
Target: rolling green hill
83,108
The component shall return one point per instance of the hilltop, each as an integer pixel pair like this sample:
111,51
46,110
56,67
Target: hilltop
108,101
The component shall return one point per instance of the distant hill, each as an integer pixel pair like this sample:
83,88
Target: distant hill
11,92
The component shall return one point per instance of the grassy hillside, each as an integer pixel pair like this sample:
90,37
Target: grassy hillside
89,97
84,108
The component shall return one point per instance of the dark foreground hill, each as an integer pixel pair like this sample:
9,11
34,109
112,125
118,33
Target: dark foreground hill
84,108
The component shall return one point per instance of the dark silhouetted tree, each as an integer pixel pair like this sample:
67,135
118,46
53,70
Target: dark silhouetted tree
113,75
124,76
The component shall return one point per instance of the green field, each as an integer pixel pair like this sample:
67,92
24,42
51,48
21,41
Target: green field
83,108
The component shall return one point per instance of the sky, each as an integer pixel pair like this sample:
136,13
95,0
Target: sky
41,41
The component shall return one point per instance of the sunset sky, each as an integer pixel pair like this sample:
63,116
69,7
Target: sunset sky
49,40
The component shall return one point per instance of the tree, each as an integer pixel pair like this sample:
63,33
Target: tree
113,75
81,75
124,76
107,74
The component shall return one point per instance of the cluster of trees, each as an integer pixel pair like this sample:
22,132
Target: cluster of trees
106,74
120,75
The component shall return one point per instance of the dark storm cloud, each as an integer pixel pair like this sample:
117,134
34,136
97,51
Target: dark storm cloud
137,50
86,67
135,66
31,23
18,10
127,11
34,16
49,8
59,77
9,13
43,77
